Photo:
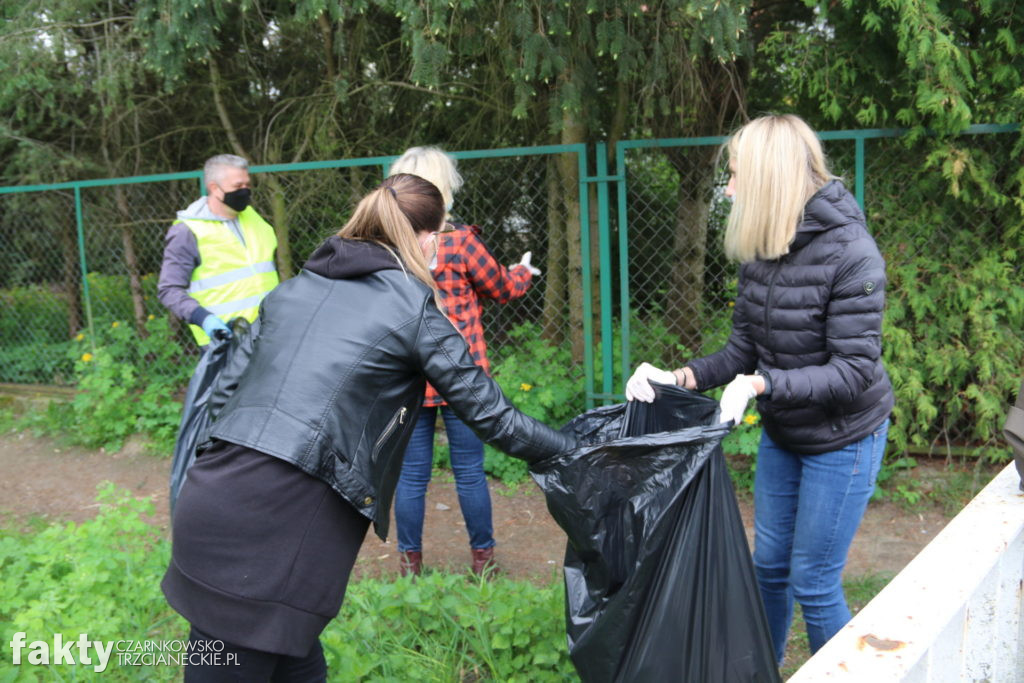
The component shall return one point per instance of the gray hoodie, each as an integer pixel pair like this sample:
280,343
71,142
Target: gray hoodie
181,257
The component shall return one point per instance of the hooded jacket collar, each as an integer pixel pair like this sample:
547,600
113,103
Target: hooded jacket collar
200,210
830,207
344,259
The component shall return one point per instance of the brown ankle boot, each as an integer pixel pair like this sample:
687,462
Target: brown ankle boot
410,562
483,561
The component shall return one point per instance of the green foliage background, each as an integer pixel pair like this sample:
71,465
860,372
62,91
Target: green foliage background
120,88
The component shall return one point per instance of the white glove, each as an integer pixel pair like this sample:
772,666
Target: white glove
639,388
525,261
735,398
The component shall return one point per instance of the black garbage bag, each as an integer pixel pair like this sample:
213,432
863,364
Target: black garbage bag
659,580
196,417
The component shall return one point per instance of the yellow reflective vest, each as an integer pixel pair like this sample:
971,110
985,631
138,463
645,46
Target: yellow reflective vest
232,278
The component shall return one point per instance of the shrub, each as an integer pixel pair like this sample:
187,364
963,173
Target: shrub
541,380
32,313
36,363
112,299
953,349
126,385
100,577
34,325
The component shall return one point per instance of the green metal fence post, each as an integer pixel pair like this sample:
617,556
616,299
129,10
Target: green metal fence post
79,226
625,311
605,269
588,332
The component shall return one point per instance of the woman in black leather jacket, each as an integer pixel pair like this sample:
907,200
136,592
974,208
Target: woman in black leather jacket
309,433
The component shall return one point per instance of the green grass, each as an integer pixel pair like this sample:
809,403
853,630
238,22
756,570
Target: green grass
102,578
449,627
8,416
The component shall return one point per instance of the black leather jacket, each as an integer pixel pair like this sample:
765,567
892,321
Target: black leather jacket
337,373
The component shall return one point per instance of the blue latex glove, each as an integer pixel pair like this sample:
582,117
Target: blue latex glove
215,328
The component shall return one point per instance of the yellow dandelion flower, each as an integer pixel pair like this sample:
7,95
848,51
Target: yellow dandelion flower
150,316
115,324
750,419
731,304
86,357
80,336
525,387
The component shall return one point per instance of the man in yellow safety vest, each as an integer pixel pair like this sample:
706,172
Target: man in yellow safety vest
219,255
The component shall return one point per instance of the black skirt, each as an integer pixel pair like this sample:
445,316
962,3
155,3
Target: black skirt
261,551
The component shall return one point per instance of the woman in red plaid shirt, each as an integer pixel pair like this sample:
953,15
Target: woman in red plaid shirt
465,272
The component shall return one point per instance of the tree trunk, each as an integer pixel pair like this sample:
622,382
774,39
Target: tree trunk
685,293
282,228
131,261
555,272
573,132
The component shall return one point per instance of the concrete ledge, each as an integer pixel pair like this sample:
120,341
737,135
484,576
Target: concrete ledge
955,613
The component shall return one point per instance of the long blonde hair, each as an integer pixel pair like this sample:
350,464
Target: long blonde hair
393,214
433,164
778,164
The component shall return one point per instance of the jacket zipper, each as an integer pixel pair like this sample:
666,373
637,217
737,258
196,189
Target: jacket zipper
398,419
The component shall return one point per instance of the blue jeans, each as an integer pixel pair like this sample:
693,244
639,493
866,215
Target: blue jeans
467,458
806,511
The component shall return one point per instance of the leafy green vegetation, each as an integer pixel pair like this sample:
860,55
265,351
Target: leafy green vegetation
127,385
449,627
101,577
36,363
541,380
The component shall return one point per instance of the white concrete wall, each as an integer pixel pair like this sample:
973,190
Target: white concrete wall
955,613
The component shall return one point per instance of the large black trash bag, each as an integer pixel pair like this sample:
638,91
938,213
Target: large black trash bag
659,580
195,418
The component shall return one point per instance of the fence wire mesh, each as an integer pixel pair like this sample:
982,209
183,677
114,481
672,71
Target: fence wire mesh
680,285
954,364
44,297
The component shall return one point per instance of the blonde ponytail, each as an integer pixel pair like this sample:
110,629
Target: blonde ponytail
392,215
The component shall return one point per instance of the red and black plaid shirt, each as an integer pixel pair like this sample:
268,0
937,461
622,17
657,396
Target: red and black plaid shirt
467,272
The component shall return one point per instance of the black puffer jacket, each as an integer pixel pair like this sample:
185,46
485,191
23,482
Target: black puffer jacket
812,322
337,374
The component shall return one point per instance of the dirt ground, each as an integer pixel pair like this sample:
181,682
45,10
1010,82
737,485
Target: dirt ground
42,479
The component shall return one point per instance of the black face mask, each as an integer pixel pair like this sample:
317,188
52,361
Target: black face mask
238,199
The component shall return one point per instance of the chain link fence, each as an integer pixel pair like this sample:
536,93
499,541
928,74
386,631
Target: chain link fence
671,285
45,301
944,219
